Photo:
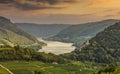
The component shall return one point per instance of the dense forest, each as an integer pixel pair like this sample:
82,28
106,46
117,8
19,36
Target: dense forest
103,48
27,54
110,70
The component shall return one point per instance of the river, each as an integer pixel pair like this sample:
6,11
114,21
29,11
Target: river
57,47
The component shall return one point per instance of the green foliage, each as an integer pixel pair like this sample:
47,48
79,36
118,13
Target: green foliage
37,46
11,35
27,54
22,71
8,25
27,61
36,67
110,70
78,34
103,48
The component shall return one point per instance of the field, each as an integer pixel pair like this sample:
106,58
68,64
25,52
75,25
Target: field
3,71
22,67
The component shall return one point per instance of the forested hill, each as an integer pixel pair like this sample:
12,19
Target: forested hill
103,48
10,34
82,32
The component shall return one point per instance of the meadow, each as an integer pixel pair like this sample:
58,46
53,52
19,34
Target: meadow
3,71
36,67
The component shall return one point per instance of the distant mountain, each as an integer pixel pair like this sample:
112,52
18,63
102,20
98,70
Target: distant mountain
103,48
10,34
42,30
78,34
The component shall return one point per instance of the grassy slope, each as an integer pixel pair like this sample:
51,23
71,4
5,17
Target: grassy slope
3,71
15,35
20,67
8,25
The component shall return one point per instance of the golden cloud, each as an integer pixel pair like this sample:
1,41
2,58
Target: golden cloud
36,4
104,3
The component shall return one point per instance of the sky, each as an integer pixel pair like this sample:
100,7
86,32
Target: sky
59,11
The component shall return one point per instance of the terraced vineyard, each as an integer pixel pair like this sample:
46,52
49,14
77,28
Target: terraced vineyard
36,67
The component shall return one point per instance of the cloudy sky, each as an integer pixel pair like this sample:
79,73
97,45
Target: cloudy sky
59,11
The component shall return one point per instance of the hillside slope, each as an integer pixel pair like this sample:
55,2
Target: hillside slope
82,32
9,32
103,48
4,70
42,30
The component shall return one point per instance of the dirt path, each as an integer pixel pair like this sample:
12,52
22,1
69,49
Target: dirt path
6,69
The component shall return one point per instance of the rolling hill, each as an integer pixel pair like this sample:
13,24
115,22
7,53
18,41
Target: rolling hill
78,34
42,30
11,35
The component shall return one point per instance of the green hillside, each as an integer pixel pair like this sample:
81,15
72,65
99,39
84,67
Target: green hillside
78,34
103,48
3,71
110,70
36,67
11,34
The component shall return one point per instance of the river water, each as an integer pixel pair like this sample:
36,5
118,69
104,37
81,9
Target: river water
57,47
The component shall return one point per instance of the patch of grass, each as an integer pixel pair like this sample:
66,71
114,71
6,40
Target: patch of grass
36,67
6,49
3,71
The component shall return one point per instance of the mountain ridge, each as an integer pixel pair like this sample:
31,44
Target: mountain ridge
78,34
42,30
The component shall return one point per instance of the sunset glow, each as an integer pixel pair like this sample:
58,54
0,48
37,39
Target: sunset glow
79,11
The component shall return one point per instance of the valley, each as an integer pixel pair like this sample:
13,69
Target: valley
78,34
59,36
42,30
23,51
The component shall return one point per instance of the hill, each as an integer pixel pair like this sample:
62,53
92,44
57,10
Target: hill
42,30
11,34
103,48
78,34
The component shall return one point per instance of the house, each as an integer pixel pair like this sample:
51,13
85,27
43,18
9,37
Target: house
54,63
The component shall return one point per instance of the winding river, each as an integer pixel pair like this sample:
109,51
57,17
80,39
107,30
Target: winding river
56,47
